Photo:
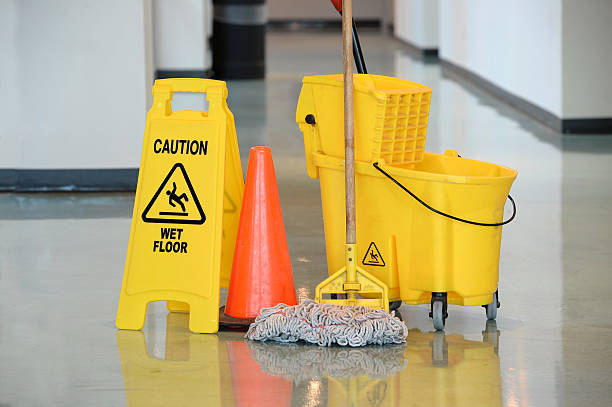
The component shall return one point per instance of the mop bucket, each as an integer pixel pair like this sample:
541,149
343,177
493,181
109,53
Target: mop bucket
413,250
390,118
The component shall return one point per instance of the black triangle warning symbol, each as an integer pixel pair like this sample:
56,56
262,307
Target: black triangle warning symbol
373,256
178,203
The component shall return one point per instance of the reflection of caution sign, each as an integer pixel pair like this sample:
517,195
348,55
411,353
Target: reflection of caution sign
373,256
175,201
176,375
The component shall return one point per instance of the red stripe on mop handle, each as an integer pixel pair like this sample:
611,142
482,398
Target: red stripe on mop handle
338,5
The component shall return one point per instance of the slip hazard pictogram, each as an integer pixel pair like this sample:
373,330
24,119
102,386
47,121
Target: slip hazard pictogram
175,201
373,256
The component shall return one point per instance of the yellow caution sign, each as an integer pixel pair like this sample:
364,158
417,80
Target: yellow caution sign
190,170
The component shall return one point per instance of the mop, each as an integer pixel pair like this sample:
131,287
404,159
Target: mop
328,324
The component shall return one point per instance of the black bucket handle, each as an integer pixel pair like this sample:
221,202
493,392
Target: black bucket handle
419,200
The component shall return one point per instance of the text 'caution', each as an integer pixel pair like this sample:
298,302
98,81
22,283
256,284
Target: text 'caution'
193,147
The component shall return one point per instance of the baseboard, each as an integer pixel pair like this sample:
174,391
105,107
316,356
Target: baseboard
319,24
57,180
425,54
587,126
567,126
183,73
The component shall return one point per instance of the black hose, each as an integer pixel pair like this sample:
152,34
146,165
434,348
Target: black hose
357,53
359,60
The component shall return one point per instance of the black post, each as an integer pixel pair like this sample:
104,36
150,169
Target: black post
239,28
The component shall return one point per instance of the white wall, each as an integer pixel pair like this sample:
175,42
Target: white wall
75,79
181,29
555,54
416,22
10,137
587,59
514,44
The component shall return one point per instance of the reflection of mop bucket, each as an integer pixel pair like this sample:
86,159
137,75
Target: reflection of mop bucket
416,252
457,371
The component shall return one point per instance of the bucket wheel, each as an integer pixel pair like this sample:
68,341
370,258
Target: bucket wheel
491,309
439,306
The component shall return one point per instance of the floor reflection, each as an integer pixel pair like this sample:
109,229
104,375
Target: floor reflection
189,372
431,369
449,370
250,385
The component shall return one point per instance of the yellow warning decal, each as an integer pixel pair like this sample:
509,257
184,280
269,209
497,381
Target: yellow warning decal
175,201
373,256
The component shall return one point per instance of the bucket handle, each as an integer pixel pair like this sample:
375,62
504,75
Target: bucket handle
419,200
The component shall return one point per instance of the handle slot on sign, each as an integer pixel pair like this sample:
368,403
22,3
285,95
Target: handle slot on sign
164,90
189,101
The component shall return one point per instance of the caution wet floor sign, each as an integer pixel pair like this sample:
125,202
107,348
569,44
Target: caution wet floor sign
186,208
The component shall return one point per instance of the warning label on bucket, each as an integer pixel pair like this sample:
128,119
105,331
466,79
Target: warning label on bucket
175,201
373,257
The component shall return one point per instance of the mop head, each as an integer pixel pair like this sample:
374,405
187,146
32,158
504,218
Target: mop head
327,324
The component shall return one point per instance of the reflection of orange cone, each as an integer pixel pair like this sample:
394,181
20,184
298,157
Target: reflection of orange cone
261,273
252,386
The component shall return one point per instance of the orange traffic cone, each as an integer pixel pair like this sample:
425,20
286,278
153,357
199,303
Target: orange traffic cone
261,273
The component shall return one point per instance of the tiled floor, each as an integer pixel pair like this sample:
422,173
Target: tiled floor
62,258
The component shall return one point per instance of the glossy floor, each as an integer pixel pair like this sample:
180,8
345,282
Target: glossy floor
62,257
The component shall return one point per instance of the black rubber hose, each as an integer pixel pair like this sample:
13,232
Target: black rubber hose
359,60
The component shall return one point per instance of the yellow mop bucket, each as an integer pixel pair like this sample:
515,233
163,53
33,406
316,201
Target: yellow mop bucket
421,255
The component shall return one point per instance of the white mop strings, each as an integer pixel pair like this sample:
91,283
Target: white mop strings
326,324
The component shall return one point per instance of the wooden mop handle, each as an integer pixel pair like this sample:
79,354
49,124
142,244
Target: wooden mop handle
349,139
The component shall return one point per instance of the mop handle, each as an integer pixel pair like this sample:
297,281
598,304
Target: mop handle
349,140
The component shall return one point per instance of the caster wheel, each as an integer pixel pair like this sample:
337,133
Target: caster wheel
437,313
492,308
393,305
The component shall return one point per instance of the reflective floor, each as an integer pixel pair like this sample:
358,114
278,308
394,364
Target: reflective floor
62,258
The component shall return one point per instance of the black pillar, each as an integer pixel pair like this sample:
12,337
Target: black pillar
239,29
